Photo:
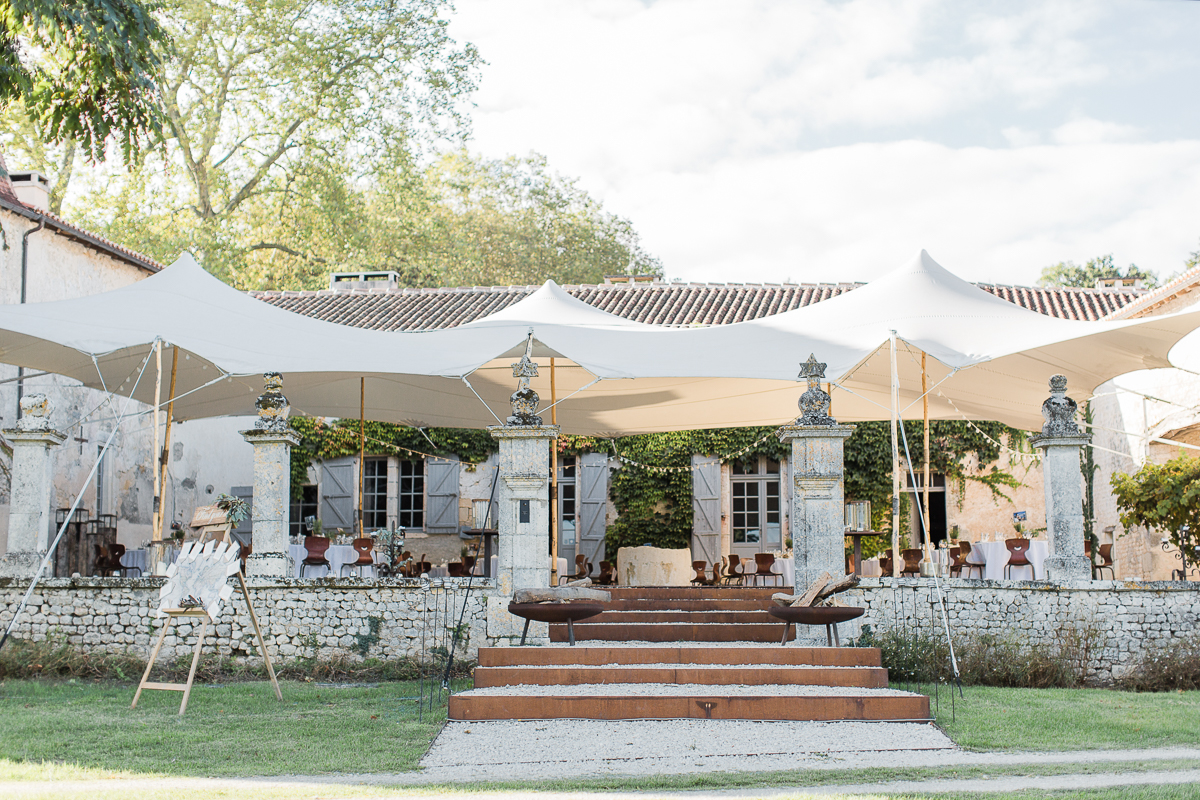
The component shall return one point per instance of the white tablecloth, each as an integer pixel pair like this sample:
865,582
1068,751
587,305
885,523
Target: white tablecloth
782,566
337,555
994,557
134,558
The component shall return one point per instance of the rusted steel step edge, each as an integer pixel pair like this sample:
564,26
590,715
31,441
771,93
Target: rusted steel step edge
831,708
716,675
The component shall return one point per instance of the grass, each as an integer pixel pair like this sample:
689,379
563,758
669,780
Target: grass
991,718
232,730
79,731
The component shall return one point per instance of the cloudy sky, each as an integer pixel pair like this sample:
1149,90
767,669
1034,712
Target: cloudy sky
827,141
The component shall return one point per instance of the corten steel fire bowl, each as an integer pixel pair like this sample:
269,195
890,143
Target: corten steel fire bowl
554,612
828,616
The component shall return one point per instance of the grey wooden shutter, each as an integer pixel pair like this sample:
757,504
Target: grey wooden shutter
706,508
339,495
591,488
441,495
244,527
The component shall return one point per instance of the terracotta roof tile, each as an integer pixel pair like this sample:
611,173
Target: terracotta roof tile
675,304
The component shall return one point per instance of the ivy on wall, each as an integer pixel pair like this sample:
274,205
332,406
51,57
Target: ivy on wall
655,505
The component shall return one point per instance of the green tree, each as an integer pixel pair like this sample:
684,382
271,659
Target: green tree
514,221
1165,498
83,71
1068,273
278,114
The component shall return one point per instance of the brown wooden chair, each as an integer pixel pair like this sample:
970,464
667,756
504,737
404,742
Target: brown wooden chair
957,562
701,577
245,550
365,548
108,560
582,570
912,562
608,574
1087,548
763,563
1106,561
885,563
1018,550
964,549
316,547
735,571
468,564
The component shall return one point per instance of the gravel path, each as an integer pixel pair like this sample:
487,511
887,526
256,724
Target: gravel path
683,689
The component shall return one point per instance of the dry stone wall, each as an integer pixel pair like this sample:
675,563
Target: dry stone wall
300,619
1125,616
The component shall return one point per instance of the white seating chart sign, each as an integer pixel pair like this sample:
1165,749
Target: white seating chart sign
200,578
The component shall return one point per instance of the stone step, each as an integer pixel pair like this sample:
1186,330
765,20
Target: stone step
593,655
673,632
688,702
714,675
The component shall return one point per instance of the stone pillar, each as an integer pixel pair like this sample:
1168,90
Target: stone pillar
32,485
273,441
1059,442
523,516
818,521
523,506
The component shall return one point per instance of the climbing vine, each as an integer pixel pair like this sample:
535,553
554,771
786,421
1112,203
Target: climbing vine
652,491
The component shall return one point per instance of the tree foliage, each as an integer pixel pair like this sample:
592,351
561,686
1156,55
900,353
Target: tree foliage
83,71
301,139
1165,498
1068,273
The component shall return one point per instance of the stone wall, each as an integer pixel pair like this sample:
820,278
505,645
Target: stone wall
1127,615
299,619
335,617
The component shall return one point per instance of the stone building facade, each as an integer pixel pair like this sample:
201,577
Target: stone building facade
44,257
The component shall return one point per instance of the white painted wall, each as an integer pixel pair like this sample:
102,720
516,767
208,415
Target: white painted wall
60,268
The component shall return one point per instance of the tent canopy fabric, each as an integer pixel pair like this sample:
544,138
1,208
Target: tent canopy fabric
989,358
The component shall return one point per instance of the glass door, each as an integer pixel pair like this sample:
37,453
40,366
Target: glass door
755,526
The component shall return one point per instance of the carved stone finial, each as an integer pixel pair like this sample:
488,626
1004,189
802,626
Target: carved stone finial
525,400
1059,410
273,407
814,403
35,413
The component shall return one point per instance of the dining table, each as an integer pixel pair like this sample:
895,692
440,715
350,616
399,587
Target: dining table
993,556
336,555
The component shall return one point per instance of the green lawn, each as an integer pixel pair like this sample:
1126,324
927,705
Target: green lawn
231,730
989,718
80,731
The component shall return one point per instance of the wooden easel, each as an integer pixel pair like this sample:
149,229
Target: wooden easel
174,614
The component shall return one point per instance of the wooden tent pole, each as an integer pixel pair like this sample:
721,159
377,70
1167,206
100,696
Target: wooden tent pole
897,561
166,448
925,404
553,482
156,515
362,449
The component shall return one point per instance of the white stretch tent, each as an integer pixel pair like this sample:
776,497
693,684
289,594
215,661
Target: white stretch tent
654,378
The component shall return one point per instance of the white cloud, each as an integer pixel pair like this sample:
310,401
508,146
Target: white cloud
850,213
757,140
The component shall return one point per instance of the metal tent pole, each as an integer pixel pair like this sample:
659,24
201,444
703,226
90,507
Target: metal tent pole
896,559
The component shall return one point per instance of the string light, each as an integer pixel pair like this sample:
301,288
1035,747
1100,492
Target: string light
664,470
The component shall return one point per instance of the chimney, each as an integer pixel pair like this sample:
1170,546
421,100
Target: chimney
32,189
